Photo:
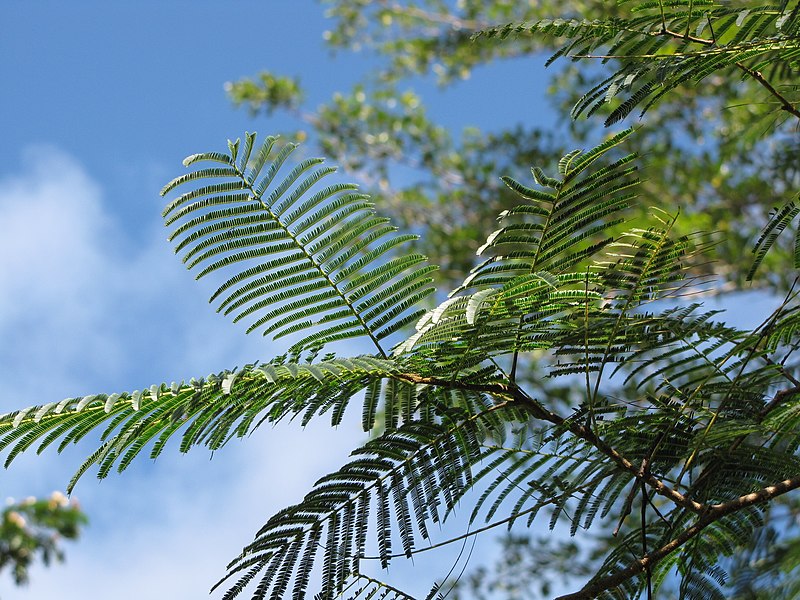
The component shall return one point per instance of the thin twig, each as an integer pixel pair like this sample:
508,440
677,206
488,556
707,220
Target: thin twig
648,571
785,104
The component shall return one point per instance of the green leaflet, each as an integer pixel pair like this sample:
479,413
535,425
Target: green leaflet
779,221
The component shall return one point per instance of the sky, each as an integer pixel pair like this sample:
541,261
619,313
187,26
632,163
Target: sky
101,102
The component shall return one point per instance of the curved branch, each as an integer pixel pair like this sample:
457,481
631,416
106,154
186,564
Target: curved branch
785,104
714,513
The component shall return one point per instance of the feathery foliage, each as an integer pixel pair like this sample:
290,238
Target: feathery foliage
320,250
684,430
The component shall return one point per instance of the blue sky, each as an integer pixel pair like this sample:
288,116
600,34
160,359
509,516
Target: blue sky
101,102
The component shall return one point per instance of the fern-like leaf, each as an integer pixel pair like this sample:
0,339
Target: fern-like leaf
210,411
387,473
535,277
301,259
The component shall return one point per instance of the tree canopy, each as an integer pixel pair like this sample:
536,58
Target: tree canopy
712,148
572,374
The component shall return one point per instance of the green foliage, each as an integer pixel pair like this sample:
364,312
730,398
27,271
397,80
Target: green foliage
269,91
533,275
557,281
712,147
407,476
35,527
375,132
659,49
208,411
680,432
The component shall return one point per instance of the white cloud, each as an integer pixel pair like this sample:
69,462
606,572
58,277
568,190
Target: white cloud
87,305
168,530
51,228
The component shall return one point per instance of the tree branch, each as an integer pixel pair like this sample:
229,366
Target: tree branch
785,104
778,399
714,513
